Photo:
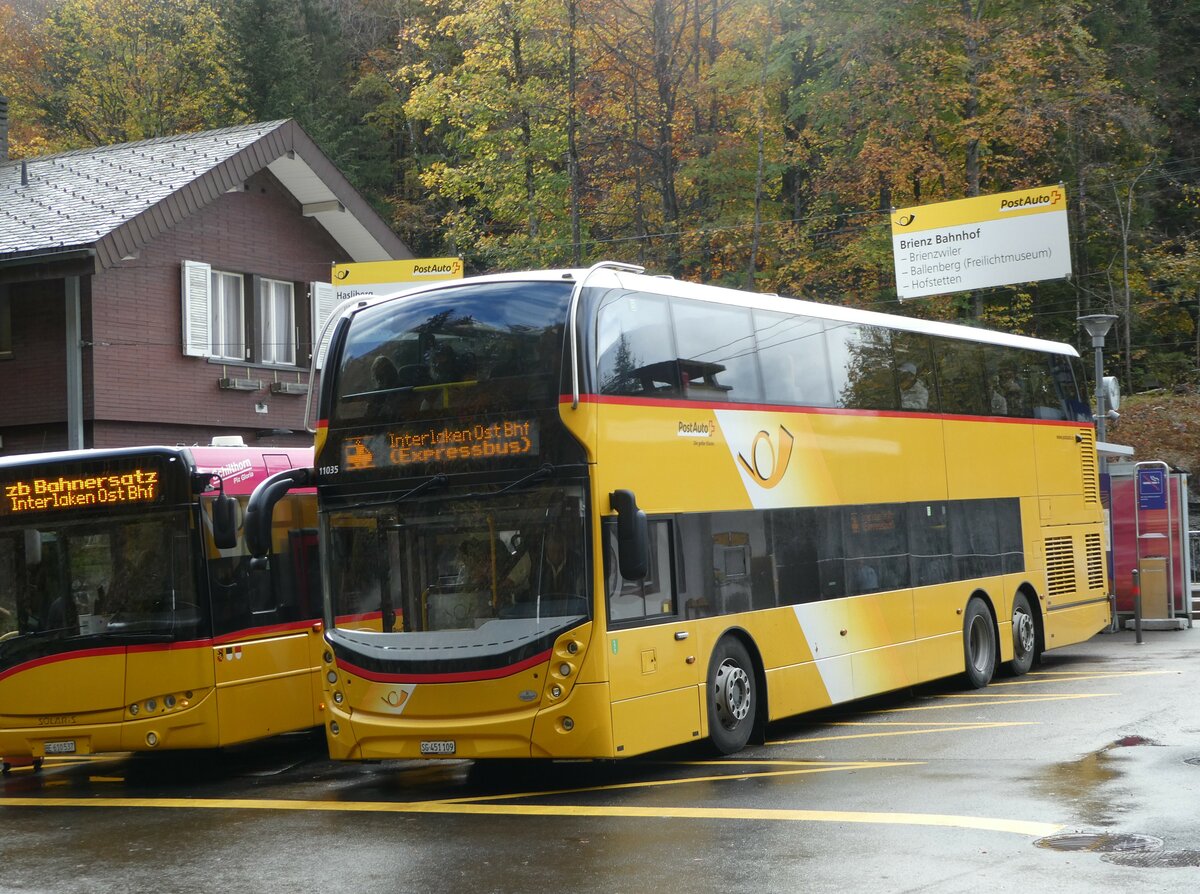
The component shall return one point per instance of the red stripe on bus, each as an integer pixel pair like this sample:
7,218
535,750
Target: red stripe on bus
144,648
617,400
62,656
461,677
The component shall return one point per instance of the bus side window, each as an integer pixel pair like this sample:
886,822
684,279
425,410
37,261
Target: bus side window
793,545
930,560
913,366
876,542
8,586
793,359
635,346
1045,400
652,598
961,379
716,351
1068,378
861,364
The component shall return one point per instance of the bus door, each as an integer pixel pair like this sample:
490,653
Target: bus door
56,579
266,652
655,667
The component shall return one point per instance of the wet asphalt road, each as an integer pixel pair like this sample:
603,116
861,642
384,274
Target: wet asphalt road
936,789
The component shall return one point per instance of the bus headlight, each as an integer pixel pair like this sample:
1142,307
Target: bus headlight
337,697
331,676
334,728
564,669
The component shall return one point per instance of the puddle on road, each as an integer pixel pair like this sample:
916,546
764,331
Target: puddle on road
1088,783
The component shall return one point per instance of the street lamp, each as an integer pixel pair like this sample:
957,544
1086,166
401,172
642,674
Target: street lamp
1097,326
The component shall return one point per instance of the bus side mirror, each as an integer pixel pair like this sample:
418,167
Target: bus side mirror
257,525
633,536
224,518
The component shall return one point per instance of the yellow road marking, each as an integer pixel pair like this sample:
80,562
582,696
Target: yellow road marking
1025,696
996,699
988,824
1074,677
809,767
910,732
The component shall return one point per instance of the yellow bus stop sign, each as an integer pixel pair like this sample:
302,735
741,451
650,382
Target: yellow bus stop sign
384,277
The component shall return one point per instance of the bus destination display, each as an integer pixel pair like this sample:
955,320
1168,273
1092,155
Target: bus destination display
443,444
64,492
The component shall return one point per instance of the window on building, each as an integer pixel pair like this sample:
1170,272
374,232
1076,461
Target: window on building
228,326
276,322
245,318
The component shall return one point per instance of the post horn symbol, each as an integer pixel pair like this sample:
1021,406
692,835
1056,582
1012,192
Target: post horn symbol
774,471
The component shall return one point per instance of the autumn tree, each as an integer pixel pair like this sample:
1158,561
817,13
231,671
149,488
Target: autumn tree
501,121
121,70
22,71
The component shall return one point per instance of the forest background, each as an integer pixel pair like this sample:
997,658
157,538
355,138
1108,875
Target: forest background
754,143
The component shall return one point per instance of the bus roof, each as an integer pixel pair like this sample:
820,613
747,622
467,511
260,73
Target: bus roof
241,468
614,278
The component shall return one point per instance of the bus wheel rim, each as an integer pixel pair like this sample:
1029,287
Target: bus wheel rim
732,694
1023,633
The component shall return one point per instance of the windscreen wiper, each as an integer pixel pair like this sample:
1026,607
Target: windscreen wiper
437,481
540,474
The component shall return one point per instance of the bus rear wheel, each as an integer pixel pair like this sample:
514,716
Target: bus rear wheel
1024,633
979,643
732,696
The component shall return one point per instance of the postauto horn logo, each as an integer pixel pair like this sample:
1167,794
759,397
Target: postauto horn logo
766,464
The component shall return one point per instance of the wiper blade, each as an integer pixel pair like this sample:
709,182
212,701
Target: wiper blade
540,474
439,480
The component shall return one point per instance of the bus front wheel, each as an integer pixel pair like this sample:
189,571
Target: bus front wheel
979,643
732,696
1024,632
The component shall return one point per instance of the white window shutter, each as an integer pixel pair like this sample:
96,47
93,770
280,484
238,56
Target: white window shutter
324,302
197,309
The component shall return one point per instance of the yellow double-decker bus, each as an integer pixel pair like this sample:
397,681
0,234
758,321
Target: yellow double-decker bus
129,617
594,513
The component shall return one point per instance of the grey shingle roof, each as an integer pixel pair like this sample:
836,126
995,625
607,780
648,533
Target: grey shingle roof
112,199
76,198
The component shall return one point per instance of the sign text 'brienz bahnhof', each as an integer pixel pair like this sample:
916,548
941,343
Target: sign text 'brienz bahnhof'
72,492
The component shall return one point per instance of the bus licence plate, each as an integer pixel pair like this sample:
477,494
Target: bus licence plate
445,746
66,747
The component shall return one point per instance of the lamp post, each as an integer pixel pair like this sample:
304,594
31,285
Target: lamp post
1097,326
